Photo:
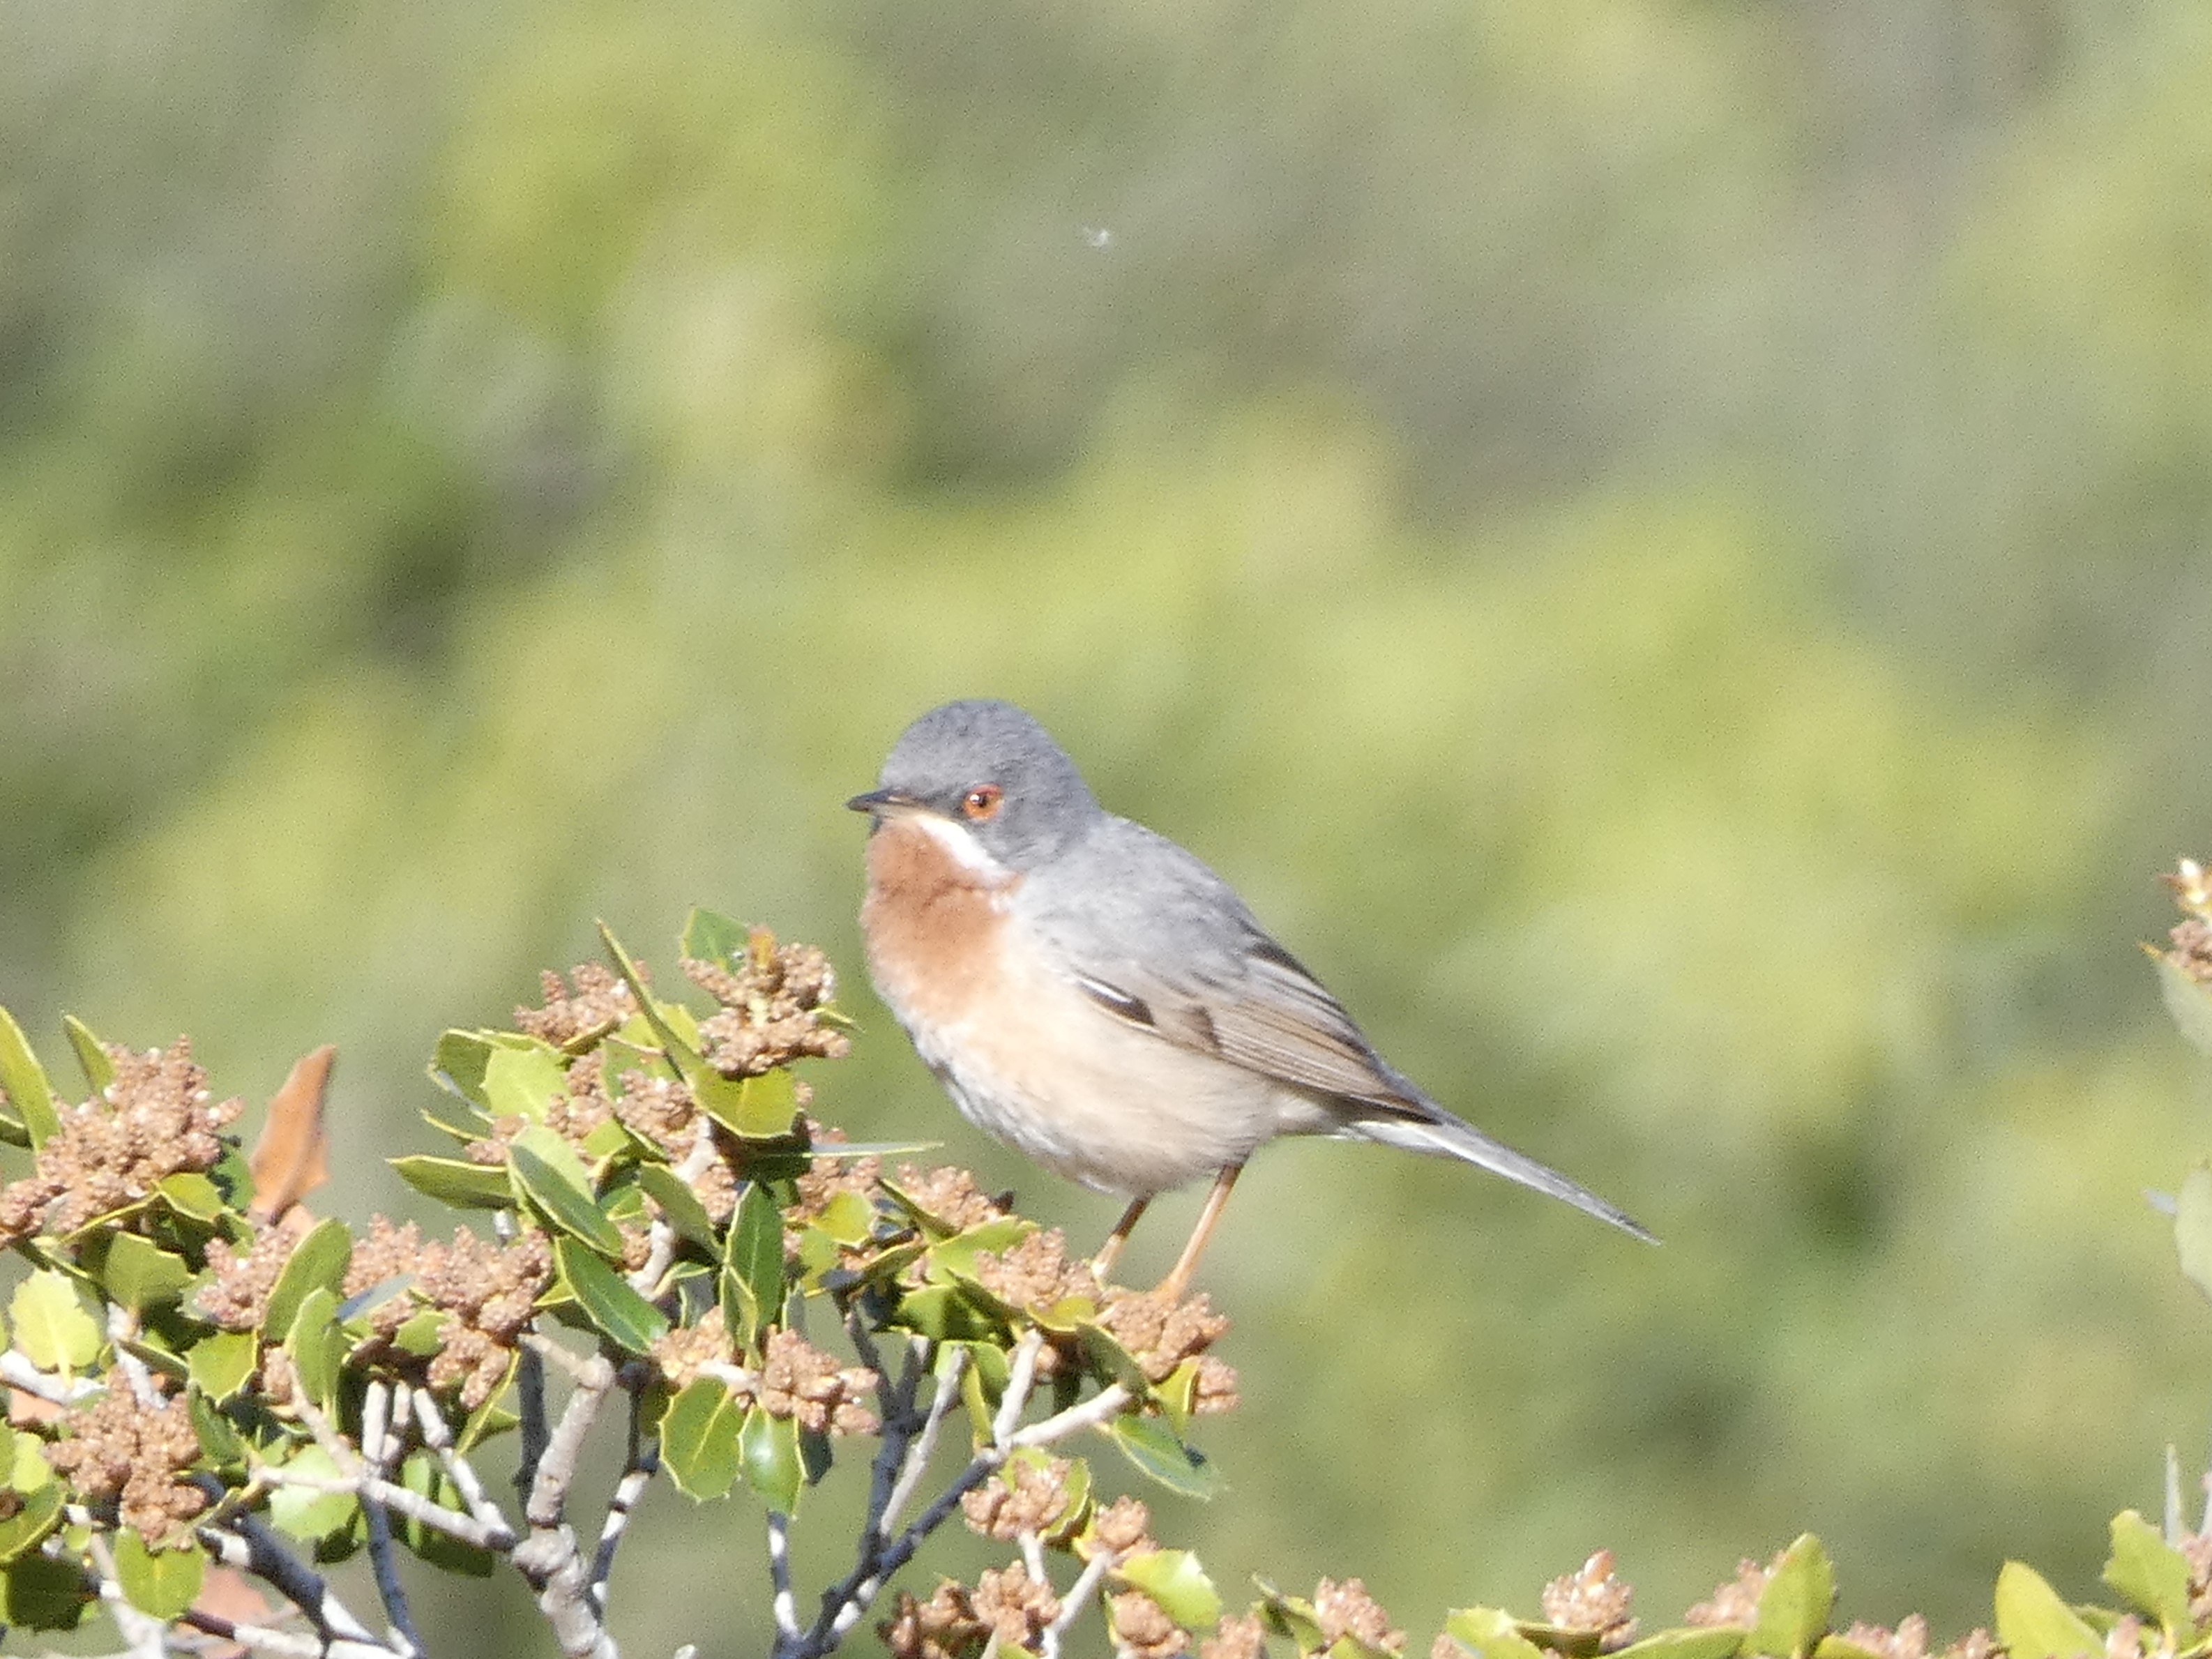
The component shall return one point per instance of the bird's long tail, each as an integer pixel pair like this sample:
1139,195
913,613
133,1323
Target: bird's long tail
1442,1135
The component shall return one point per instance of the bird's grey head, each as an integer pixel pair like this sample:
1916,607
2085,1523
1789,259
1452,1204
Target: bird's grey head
989,767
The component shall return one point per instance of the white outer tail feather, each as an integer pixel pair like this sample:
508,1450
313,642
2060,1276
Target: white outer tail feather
1446,1136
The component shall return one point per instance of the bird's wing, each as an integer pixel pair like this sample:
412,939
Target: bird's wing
1186,960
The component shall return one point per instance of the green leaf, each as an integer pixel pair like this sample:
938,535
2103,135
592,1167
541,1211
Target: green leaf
25,1081
767,1448
39,1497
220,1365
1794,1608
2033,1623
699,1436
711,938
1720,1642
551,1175
219,1442
1152,1447
38,1593
679,1204
2149,1573
767,1105
457,1064
617,1311
848,1217
2192,1228
754,1265
456,1182
943,1313
189,1193
1175,1580
318,1346
1490,1632
423,1475
137,1274
318,1263
92,1060
162,1583
52,1325
521,1077
2187,999
311,1515
957,1254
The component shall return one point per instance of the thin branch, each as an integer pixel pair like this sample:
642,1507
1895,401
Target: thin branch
640,1462
286,1644
779,1572
1071,1604
415,1505
122,1323
1021,1378
548,1557
439,1439
377,1444
530,1385
247,1543
924,1444
19,1372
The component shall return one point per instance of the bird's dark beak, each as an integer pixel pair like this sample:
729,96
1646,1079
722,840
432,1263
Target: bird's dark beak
884,803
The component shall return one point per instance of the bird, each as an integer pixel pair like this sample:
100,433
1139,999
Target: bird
1094,996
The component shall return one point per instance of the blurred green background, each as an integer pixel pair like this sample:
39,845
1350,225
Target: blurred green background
1662,545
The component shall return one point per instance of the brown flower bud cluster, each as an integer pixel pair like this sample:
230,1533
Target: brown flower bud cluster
1593,1599
1142,1627
1346,1609
687,1350
1124,1527
600,1004
1910,1640
798,1380
154,1120
1023,1498
949,1193
1242,1635
772,1008
237,1296
486,1290
2197,1550
1737,1602
828,1179
119,1450
1036,1272
958,1623
1160,1335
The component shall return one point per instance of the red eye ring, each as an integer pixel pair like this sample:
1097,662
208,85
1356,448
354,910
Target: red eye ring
982,802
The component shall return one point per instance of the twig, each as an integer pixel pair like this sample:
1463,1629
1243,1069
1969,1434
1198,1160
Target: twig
415,1505
918,1455
439,1439
285,1645
548,1557
530,1385
19,1372
640,1462
245,1542
779,1572
1070,1605
122,1323
376,1445
1021,1378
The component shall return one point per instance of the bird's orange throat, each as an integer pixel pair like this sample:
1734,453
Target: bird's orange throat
932,920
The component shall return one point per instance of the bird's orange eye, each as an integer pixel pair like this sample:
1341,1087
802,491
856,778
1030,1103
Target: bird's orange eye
982,801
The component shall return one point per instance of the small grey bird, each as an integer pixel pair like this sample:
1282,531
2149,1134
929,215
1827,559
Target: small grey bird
1097,997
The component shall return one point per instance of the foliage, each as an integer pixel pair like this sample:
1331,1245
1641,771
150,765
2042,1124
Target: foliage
208,1382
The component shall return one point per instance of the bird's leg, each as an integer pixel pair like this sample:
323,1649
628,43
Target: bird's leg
1109,1252
1170,1288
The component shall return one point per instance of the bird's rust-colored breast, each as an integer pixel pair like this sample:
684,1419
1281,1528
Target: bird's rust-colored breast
932,925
